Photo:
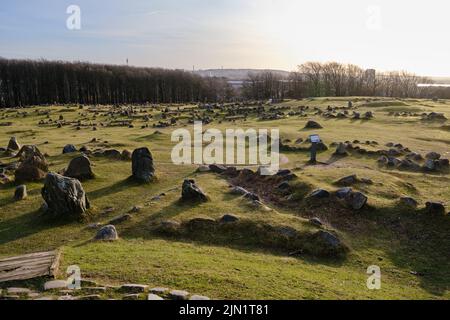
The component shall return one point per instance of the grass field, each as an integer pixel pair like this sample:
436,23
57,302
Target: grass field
411,247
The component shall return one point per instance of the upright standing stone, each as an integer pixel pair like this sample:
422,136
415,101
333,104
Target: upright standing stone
142,165
64,196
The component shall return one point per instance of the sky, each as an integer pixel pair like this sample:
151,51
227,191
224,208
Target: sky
277,34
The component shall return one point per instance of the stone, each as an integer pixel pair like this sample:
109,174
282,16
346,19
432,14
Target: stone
430,165
217,168
191,192
435,208
55,284
316,221
95,289
90,297
112,154
313,125
252,196
178,295
409,202
69,148
107,233
341,150
80,168
20,193
347,181
33,166
199,298
18,291
133,288
329,239
159,290
126,155
239,191
64,196
343,192
133,296
154,297
202,169
319,194
356,200
13,144
142,165
433,156
229,218
120,219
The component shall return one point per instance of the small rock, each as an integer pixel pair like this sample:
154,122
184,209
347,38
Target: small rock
347,181
20,193
199,298
18,291
229,218
133,288
436,208
343,192
433,156
107,233
409,202
70,148
316,221
120,219
179,295
159,290
191,192
319,194
356,200
55,284
134,296
90,297
154,297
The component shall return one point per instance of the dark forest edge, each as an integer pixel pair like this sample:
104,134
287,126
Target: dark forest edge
42,82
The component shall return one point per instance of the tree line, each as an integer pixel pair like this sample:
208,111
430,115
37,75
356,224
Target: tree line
332,79
27,82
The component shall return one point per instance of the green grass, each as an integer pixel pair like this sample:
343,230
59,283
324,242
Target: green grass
238,266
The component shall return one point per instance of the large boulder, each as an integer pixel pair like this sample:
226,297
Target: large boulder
13,144
191,192
79,168
142,165
64,196
33,165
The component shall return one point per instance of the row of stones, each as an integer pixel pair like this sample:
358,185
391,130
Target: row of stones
58,290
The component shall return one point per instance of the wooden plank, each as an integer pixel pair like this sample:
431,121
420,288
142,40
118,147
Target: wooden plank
21,262
29,256
29,266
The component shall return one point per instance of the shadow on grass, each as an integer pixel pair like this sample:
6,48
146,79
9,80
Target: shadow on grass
114,188
412,239
245,236
27,224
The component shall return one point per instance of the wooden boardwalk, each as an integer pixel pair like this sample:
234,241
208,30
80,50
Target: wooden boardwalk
29,266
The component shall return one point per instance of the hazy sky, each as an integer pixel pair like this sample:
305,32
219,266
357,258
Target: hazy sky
280,34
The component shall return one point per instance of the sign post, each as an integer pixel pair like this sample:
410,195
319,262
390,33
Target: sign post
315,139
